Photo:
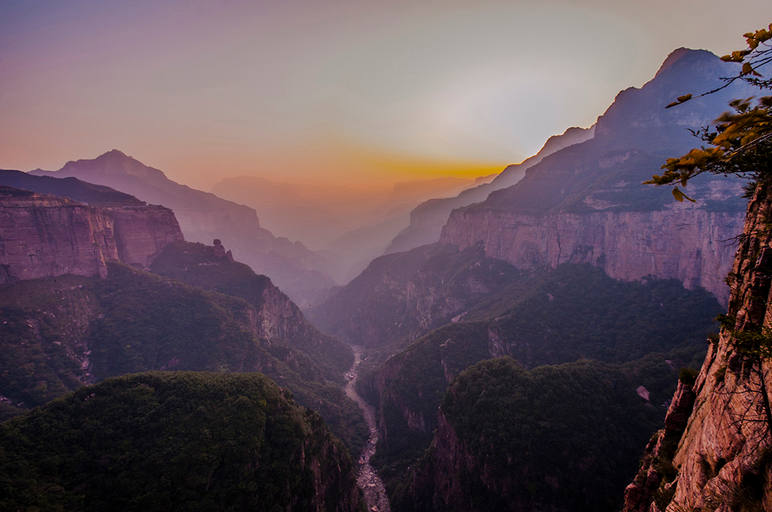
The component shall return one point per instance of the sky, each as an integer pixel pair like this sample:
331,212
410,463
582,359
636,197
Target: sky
324,91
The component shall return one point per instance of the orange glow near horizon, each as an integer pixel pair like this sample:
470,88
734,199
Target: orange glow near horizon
209,90
333,164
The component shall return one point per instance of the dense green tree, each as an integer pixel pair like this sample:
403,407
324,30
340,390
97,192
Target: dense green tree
174,441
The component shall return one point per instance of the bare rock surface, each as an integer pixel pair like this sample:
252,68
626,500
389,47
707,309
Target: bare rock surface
46,236
723,460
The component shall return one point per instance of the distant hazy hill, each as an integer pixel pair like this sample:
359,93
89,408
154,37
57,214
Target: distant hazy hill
427,219
175,441
204,217
398,297
351,224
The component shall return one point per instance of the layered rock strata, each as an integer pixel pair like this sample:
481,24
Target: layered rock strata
46,236
693,247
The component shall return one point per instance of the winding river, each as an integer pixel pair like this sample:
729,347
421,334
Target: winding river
367,478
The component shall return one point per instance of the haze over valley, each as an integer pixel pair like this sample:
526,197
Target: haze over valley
388,257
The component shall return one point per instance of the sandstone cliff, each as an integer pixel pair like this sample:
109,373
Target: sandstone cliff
691,246
721,458
43,236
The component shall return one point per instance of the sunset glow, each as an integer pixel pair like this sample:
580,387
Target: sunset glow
205,90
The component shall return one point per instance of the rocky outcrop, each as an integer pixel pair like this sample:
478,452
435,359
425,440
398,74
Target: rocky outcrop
653,482
142,232
723,461
43,236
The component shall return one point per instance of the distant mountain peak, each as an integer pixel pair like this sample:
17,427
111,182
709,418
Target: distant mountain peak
118,156
683,57
115,163
114,153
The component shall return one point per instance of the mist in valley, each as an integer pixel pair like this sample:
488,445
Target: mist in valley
385,257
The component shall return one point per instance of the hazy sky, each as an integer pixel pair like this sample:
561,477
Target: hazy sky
316,90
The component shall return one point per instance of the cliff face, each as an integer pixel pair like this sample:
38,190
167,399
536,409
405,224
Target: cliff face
693,247
43,236
723,459
142,232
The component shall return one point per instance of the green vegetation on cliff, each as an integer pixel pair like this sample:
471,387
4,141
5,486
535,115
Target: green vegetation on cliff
211,268
174,441
151,323
400,296
61,333
574,312
558,438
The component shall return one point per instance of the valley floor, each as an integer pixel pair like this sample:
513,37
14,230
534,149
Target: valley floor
367,478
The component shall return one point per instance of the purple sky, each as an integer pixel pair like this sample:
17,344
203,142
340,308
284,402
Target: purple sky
360,91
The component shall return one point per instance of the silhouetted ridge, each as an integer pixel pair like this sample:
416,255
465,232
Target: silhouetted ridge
71,188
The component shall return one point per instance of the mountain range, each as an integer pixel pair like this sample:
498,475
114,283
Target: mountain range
517,355
204,216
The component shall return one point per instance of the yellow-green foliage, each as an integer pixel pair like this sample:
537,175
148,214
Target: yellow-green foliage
738,142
